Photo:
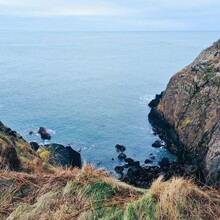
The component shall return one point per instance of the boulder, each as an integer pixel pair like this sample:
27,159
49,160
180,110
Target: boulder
34,145
60,155
119,169
9,159
128,160
148,161
122,156
120,148
157,144
45,135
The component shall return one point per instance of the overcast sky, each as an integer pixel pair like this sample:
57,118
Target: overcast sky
110,15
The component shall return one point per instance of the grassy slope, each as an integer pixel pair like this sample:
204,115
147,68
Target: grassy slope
39,191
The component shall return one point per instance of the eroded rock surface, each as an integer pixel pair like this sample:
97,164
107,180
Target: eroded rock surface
187,114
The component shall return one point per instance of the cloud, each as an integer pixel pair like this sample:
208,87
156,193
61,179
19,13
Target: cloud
49,8
120,14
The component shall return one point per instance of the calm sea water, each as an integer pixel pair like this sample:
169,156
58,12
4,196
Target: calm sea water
91,89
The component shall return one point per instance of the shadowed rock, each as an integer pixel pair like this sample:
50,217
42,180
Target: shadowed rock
44,134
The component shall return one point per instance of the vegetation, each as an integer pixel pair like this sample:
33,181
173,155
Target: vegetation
38,191
208,73
93,194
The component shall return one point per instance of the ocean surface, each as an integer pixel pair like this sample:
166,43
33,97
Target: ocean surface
91,89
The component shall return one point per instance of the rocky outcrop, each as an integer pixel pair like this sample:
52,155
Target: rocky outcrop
19,155
187,114
60,155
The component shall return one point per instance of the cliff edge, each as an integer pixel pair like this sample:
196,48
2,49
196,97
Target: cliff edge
187,115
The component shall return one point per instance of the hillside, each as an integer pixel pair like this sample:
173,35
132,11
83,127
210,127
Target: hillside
31,188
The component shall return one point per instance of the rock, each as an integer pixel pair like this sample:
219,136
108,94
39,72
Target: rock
152,157
157,144
155,101
126,166
135,163
164,163
44,134
30,132
120,148
190,169
9,159
148,161
34,145
187,117
64,156
128,160
59,155
119,169
122,156
54,147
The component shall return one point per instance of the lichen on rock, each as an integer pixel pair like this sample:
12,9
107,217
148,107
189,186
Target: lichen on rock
188,114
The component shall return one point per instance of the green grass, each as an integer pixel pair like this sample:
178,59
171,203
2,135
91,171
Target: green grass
208,73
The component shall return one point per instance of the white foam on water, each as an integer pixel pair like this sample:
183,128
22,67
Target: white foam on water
147,97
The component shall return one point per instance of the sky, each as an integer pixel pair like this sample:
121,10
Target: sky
110,15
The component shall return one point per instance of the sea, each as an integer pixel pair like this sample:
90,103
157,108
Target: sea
91,89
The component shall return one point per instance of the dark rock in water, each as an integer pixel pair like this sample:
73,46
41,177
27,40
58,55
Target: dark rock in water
64,156
9,159
34,145
135,163
120,148
148,161
122,156
119,169
157,144
126,165
128,160
164,163
44,134
152,157
155,101
30,132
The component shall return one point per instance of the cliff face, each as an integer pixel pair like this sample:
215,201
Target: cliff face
187,115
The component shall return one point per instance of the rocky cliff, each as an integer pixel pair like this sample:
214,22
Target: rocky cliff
187,114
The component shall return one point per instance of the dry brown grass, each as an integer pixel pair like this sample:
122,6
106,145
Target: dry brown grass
90,193
182,199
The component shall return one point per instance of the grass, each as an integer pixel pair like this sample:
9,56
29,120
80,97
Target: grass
62,195
208,72
42,192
